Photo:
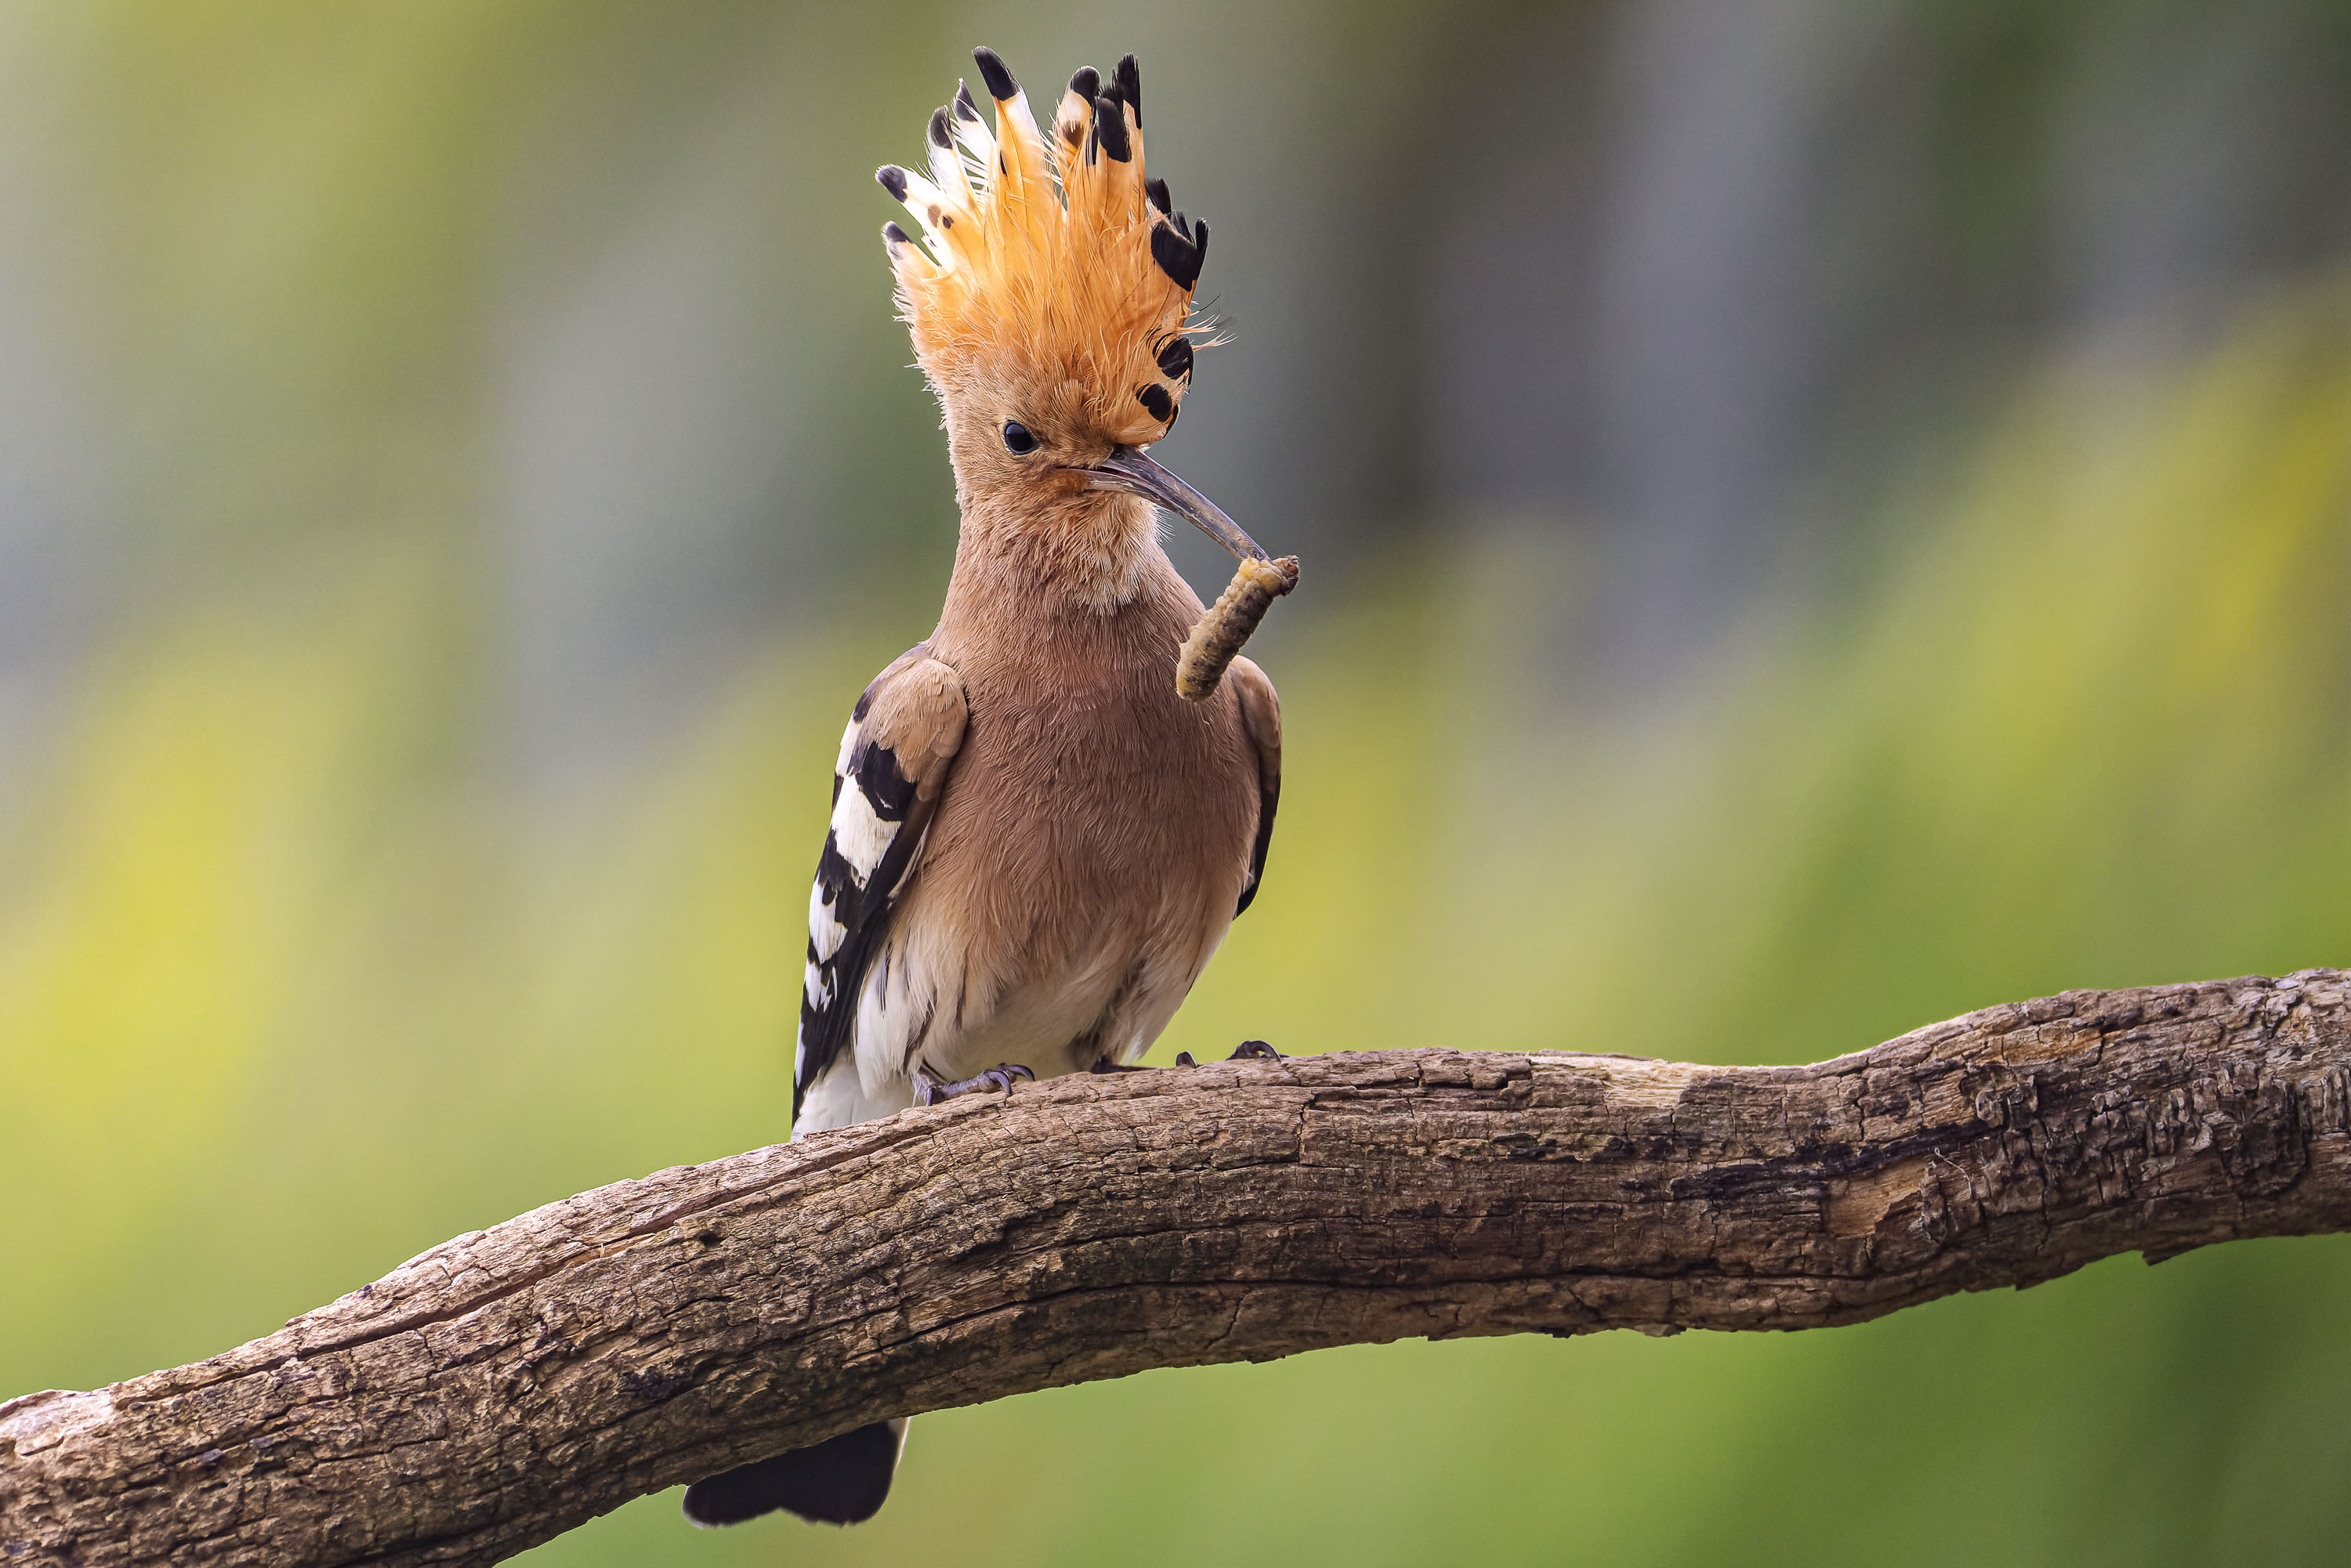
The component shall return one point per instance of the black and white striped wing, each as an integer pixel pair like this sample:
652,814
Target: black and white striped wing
894,757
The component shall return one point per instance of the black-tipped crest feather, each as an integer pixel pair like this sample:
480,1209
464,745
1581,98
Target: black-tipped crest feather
1110,124
1175,255
1129,75
993,74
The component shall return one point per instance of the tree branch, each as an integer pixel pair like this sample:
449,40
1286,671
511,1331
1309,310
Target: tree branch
515,1382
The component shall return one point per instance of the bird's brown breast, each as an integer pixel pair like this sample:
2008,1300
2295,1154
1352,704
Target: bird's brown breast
1091,809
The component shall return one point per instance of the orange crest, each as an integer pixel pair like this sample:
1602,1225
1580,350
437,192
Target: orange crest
1055,265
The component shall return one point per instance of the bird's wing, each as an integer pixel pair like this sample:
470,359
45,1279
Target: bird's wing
902,739
1262,714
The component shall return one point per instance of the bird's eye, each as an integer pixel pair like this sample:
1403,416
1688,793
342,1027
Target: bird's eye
1017,439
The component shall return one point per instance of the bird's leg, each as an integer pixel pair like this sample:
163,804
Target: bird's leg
930,1090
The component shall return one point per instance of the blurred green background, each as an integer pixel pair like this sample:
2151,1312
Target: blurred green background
1818,517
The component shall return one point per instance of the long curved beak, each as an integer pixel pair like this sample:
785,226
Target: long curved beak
1127,469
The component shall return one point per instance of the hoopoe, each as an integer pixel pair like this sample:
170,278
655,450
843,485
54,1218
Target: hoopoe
1035,843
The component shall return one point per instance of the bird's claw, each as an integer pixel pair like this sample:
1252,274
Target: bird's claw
929,1091
1247,1051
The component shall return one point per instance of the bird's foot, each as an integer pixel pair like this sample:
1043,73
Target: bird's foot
1183,1059
1104,1064
929,1091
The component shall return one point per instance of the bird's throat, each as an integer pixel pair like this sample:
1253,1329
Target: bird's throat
1091,555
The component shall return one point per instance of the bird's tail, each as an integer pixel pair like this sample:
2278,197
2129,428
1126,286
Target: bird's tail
842,1480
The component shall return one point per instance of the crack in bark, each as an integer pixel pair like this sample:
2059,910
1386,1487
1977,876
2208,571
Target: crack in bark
509,1384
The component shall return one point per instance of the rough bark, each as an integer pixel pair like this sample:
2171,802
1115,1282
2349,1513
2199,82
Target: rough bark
513,1383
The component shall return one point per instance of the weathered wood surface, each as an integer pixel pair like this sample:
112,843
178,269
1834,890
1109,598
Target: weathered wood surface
511,1383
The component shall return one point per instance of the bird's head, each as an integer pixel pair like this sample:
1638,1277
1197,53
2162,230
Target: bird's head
1050,298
